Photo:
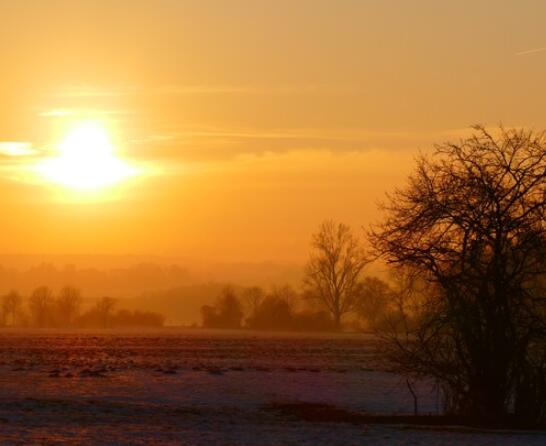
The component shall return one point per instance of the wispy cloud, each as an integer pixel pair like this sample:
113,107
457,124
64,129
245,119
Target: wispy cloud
202,144
80,113
531,51
186,90
56,113
16,149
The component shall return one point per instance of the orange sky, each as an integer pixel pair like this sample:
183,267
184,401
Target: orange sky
253,120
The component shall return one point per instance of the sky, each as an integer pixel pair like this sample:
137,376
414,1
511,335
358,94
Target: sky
244,123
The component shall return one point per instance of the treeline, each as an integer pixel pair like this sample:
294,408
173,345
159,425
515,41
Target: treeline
465,240
255,309
335,294
46,309
374,305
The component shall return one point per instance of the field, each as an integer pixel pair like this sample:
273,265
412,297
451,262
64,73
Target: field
196,387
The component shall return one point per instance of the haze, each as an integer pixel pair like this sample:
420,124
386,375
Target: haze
253,120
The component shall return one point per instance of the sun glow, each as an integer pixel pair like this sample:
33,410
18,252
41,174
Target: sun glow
86,159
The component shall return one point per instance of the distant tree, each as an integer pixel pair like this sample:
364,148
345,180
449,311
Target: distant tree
104,309
287,294
102,315
148,319
209,317
274,313
11,307
41,304
334,268
252,298
226,313
471,226
68,305
230,309
277,311
374,297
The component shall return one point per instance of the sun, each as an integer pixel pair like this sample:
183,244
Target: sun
86,159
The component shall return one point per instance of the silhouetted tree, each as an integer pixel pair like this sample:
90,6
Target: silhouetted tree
252,298
41,304
68,305
226,313
277,311
104,308
287,294
471,225
99,315
334,268
374,298
11,308
274,313
102,315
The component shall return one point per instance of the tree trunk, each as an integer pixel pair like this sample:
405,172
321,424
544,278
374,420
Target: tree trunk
337,321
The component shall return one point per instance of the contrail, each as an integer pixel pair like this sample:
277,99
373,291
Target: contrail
534,50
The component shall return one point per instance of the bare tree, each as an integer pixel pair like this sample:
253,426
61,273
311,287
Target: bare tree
104,309
334,268
252,298
374,296
41,306
287,294
68,305
471,225
11,307
226,313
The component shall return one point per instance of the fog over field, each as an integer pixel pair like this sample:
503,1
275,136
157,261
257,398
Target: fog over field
152,283
127,274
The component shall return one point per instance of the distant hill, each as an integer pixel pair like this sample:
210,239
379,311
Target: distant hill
181,305
131,276
94,282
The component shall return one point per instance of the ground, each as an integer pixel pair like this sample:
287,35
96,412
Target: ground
193,387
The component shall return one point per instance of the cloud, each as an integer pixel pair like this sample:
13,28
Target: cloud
17,159
81,113
56,113
215,144
16,149
531,51
192,89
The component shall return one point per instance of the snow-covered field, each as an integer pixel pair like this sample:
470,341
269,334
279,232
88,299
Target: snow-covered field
195,387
